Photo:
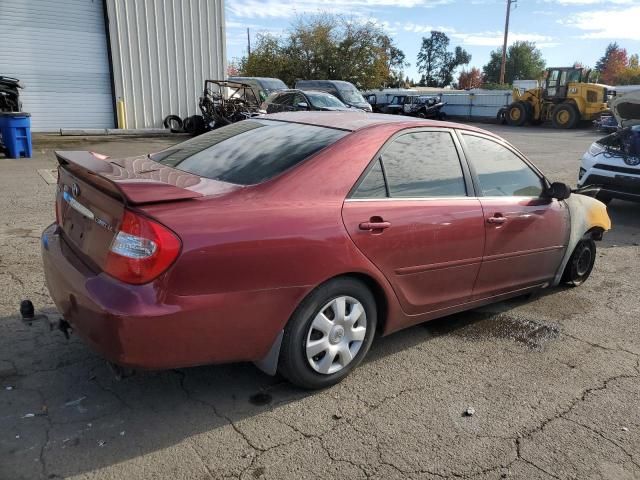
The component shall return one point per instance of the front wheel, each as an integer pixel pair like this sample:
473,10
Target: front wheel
517,114
329,334
581,263
565,116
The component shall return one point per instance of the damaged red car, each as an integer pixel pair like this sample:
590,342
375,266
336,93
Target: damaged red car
290,240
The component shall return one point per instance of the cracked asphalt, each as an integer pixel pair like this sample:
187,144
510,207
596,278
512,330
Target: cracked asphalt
553,379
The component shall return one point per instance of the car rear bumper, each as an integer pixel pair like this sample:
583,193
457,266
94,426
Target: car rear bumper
145,326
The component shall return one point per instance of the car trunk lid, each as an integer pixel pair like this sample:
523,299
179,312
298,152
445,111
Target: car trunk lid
94,192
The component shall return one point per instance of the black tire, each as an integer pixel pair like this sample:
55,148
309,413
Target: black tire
516,114
293,363
194,125
174,123
580,263
442,116
565,116
501,117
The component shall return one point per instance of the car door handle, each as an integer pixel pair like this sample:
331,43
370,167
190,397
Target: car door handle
374,225
497,219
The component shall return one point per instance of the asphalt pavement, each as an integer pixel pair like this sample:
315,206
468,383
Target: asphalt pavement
552,381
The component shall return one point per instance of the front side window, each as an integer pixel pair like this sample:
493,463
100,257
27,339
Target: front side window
248,152
500,171
423,164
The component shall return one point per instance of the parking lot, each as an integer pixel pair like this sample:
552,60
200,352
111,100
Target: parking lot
553,379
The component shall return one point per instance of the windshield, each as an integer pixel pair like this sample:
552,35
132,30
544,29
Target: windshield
248,152
324,100
273,85
397,100
352,96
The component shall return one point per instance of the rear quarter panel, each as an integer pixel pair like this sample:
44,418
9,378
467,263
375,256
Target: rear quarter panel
284,234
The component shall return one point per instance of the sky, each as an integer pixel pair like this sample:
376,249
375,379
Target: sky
566,31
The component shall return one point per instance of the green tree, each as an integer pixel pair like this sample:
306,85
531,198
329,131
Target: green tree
328,47
524,62
436,62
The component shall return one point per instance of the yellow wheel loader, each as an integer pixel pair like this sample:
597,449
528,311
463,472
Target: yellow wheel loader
565,98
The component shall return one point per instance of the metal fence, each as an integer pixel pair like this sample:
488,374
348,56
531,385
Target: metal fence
475,104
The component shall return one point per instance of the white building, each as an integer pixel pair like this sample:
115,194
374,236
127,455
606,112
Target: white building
82,60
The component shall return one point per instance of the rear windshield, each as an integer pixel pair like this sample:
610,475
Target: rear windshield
248,152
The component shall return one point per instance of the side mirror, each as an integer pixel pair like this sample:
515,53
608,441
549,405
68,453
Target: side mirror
558,190
302,106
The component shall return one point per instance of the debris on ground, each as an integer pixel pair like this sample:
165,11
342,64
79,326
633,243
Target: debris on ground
469,412
72,403
101,443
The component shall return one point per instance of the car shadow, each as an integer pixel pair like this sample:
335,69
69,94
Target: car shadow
61,397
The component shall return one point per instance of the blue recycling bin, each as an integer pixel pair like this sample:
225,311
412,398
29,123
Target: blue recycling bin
15,129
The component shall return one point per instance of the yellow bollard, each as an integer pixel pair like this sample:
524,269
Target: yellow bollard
122,115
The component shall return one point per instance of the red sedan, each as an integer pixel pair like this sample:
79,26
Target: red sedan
290,240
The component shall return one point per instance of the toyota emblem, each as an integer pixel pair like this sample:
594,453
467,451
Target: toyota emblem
75,190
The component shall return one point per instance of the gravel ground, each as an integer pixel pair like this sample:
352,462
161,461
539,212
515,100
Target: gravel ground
552,380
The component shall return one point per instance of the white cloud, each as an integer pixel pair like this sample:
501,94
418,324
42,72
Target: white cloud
495,38
421,28
483,39
289,8
616,24
590,2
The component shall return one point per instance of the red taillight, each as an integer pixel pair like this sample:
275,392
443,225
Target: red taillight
141,250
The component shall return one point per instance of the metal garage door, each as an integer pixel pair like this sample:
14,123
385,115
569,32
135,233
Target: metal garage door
58,49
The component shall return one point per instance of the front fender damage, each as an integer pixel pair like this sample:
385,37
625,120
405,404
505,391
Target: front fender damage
586,214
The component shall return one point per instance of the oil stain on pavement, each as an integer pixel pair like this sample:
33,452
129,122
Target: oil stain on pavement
476,325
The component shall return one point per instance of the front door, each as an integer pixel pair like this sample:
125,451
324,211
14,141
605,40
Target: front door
526,233
411,216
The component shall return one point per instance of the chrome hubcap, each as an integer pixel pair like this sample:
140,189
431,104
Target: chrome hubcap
336,335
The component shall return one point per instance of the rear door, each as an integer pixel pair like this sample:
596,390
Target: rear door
411,216
526,233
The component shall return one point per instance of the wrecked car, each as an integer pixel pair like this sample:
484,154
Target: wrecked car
613,162
224,102
295,255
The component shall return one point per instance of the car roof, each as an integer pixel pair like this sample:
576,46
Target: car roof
358,120
299,90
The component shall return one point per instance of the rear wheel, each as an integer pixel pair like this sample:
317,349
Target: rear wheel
329,334
517,114
581,263
565,115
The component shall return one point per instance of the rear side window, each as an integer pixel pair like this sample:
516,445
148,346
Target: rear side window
373,185
248,152
500,171
423,164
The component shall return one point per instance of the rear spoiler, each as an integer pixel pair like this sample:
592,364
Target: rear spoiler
136,180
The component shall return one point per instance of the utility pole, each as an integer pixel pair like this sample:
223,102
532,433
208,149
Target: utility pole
504,45
248,43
